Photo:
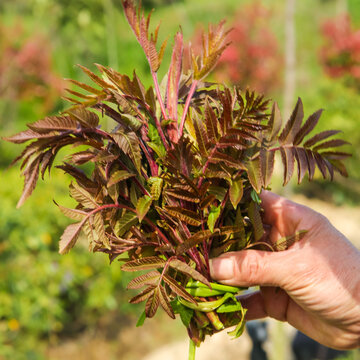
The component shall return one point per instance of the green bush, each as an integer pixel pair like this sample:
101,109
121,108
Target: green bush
44,294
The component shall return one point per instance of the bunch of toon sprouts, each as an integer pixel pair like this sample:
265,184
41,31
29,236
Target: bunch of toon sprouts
177,181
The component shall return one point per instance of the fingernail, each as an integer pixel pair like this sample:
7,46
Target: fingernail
222,268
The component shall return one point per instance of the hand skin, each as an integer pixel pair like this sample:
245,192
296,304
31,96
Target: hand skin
314,285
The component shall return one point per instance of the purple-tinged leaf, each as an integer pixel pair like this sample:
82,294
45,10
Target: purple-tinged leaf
211,122
119,175
330,144
339,167
266,159
320,164
188,270
82,157
165,303
330,168
256,222
207,201
129,144
74,214
218,156
188,216
336,155
98,223
194,240
275,123
293,125
201,135
85,117
69,237
144,295
78,175
85,87
183,195
54,123
27,135
302,162
82,196
150,278
311,163
178,289
309,125
31,174
97,80
152,303
288,159
150,262
319,137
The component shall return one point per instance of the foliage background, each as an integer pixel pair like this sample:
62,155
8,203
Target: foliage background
44,297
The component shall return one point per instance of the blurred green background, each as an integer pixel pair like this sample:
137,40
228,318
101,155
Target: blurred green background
47,300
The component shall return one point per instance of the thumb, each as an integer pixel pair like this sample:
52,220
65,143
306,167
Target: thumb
253,267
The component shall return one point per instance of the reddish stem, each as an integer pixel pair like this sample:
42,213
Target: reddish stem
186,108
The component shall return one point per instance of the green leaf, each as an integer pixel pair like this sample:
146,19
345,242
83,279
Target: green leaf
141,319
156,184
143,206
236,192
214,214
185,313
238,331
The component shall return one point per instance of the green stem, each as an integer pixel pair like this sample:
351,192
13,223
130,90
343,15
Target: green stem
192,349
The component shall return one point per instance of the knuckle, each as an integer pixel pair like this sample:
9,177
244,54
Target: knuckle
251,267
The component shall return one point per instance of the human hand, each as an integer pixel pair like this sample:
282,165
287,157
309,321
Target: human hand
318,277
